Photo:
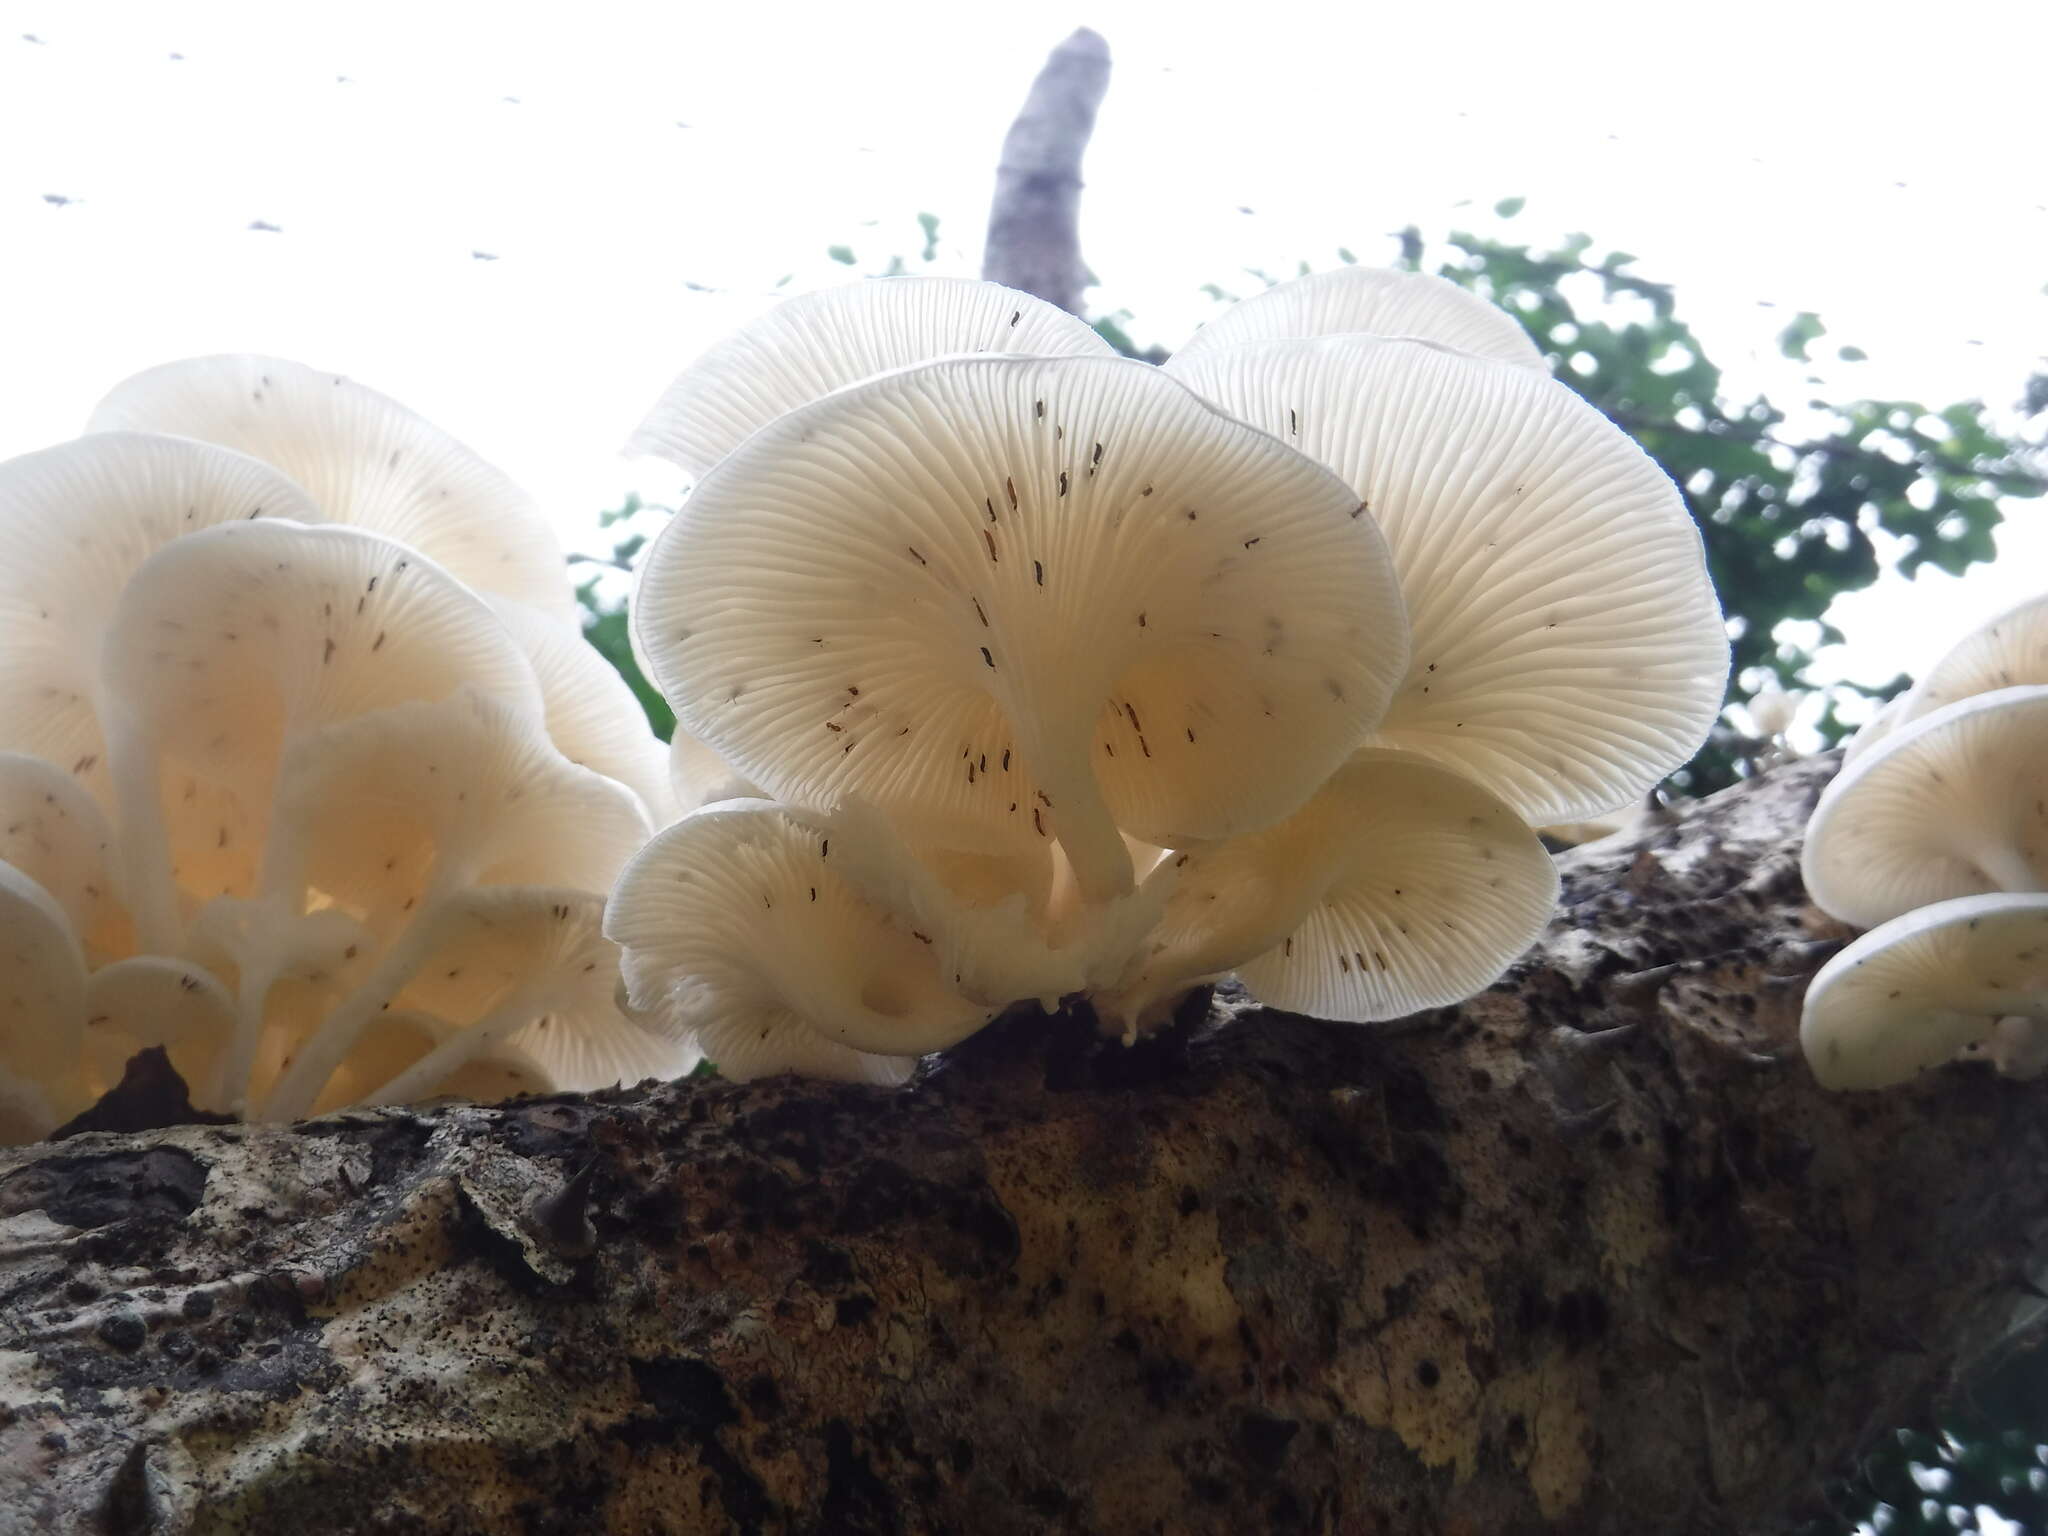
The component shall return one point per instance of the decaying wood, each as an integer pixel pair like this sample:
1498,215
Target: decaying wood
1589,1253
1034,225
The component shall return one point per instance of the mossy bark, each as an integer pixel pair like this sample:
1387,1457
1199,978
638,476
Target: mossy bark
1589,1253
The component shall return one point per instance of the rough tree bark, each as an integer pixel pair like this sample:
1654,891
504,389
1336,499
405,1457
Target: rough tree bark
1034,225
1589,1253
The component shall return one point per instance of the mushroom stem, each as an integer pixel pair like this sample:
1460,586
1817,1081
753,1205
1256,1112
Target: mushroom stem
229,1090
461,1048
145,844
2007,869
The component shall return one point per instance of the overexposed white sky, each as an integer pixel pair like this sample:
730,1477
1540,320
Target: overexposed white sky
1875,162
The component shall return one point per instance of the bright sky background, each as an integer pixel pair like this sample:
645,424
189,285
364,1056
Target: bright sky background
1875,162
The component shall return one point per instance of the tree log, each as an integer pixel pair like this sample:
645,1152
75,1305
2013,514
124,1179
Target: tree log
1034,224
1590,1253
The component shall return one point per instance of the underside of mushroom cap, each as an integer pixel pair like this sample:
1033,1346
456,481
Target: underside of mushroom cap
1012,599
77,521
1372,301
809,346
738,930
42,986
52,831
1400,886
592,716
2009,651
698,776
1911,993
364,459
1568,647
1949,805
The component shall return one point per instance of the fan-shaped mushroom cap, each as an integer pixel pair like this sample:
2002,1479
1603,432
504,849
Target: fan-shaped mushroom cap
698,776
809,346
2009,651
592,717
42,986
1911,993
386,813
739,932
1951,805
364,458
1012,599
1568,648
1401,886
150,1000
230,640
52,831
1372,301
78,519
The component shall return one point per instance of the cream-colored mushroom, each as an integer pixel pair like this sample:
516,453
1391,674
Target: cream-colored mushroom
1912,992
1017,599
1372,301
1400,886
232,641
740,934
1949,805
42,993
53,832
1568,647
364,459
809,346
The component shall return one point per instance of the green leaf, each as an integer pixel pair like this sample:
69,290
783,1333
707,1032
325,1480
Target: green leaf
1508,207
1804,330
1852,354
929,223
841,253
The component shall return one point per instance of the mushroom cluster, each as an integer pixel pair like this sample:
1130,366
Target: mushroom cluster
306,773
1017,669
1935,837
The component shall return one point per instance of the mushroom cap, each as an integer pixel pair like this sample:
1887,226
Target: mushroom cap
150,1000
399,1040
77,520
698,776
1372,301
1010,599
26,1113
809,346
739,931
1772,710
364,459
53,832
1401,886
1912,992
1951,805
377,811
1568,647
592,716
2008,651
42,985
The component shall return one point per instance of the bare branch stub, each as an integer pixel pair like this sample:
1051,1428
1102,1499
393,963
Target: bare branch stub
1034,239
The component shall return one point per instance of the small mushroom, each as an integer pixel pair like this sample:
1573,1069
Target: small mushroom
1400,886
809,346
1568,647
741,934
1949,805
364,459
1372,301
1009,600
1914,991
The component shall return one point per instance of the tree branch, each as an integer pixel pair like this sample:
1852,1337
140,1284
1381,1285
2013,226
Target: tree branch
1034,240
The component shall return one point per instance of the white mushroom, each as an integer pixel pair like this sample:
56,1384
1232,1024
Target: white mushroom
1909,994
1401,886
1951,805
1771,710
1372,301
698,776
592,716
809,346
1568,647
53,832
2008,651
1015,599
150,1000
393,816
364,459
740,934
230,642
42,992
77,520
